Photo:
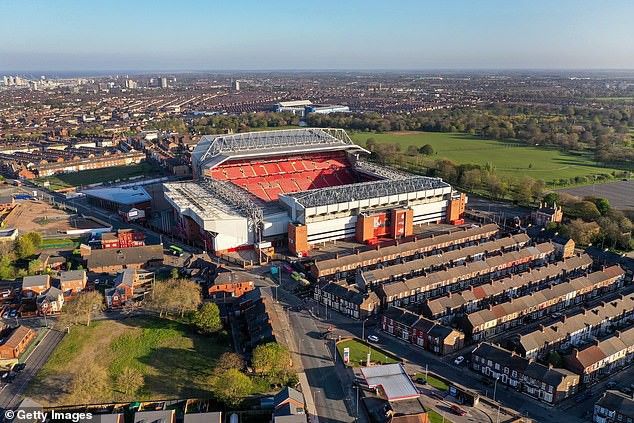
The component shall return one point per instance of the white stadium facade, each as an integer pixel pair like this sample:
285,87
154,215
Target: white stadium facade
300,187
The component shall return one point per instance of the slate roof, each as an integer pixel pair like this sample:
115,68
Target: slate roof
618,402
124,256
513,282
36,281
405,249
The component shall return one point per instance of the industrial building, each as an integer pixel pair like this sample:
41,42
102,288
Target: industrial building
300,187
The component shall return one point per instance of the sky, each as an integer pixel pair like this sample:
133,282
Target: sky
76,35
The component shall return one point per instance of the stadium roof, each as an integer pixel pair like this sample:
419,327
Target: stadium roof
393,380
121,195
212,150
365,190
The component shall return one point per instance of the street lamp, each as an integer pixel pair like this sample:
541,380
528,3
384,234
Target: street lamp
363,329
356,387
495,385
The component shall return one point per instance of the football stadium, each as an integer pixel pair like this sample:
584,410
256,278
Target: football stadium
300,187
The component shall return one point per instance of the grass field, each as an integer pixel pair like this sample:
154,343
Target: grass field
359,353
509,159
174,361
87,177
435,417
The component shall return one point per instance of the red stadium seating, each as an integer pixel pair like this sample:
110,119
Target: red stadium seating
270,177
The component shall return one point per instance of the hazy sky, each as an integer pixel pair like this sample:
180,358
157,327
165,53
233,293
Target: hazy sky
305,34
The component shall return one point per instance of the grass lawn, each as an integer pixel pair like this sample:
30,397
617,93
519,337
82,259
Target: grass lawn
508,158
435,417
175,362
359,353
432,381
59,243
110,174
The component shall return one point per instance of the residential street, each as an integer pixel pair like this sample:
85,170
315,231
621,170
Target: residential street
11,394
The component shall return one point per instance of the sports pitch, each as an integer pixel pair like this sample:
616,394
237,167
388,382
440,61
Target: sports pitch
508,158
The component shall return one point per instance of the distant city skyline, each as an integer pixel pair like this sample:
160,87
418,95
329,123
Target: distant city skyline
248,35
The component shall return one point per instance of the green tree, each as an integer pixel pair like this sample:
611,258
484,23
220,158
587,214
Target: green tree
271,360
35,266
551,198
426,149
207,318
24,247
231,387
174,273
603,205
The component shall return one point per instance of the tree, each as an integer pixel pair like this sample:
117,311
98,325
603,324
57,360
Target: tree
129,380
551,198
581,232
174,273
207,318
603,205
229,360
471,178
231,386
412,151
174,296
271,360
35,266
426,149
24,247
82,309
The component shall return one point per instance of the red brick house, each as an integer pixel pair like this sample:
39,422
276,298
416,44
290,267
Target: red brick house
229,285
72,281
16,342
32,286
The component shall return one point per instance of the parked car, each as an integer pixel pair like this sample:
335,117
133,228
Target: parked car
611,384
13,313
458,361
19,367
373,338
457,410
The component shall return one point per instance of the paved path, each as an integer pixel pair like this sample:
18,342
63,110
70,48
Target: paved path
11,394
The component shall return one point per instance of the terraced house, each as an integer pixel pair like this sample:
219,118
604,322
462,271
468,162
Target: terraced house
546,383
346,267
417,290
602,358
578,328
412,268
475,298
490,321
349,300
421,332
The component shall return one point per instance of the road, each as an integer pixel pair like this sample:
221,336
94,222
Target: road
11,394
416,360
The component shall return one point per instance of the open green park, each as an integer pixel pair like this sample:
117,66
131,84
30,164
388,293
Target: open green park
359,353
159,359
108,174
508,158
